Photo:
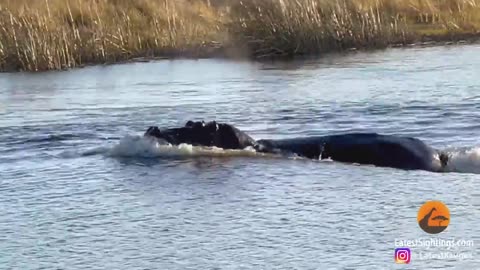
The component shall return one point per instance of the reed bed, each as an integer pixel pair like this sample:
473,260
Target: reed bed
296,27
60,34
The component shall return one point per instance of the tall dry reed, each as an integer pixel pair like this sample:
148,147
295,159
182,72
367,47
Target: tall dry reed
292,27
57,34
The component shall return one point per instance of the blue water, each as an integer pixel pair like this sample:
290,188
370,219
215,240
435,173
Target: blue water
80,189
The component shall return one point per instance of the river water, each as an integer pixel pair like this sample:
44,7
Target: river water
80,188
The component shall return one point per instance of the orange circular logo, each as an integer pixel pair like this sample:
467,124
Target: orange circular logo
433,217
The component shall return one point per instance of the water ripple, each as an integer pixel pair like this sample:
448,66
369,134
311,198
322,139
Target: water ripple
77,190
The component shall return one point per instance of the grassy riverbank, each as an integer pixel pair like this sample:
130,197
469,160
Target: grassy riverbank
57,34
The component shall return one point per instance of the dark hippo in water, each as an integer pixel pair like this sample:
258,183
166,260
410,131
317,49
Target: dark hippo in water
362,148
204,134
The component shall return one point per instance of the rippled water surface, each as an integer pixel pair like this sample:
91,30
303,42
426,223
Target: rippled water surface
80,190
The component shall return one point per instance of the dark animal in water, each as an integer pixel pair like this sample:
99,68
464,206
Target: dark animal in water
362,148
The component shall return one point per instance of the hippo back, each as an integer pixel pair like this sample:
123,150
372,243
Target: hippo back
380,150
361,148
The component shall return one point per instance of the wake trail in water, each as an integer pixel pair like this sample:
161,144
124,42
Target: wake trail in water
144,147
461,160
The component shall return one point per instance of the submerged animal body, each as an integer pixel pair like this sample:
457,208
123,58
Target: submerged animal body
362,148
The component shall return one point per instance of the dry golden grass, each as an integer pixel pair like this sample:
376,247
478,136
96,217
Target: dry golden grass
293,27
58,34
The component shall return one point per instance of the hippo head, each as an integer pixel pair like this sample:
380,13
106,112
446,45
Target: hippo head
204,134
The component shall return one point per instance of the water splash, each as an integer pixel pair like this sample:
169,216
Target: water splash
464,160
140,146
461,160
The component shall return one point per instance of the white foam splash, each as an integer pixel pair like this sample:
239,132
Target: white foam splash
466,160
461,160
140,146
